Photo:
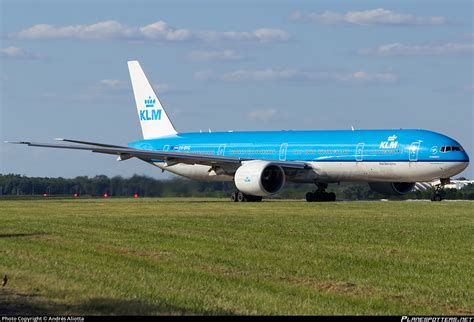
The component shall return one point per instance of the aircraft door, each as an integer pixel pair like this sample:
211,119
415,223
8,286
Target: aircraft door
413,151
221,149
166,147
359,152
283,148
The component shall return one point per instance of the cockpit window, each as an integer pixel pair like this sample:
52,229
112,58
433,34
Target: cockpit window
451,148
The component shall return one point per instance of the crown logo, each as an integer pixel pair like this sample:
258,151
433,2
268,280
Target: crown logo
149,102
392,138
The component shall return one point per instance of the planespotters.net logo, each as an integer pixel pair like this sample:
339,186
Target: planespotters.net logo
437,319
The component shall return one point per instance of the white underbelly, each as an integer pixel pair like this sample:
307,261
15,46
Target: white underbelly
387,171
340,171
194,171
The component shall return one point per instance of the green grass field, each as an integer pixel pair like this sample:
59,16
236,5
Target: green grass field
204,256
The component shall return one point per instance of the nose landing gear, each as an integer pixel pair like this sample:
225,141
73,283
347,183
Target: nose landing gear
320,194
438,189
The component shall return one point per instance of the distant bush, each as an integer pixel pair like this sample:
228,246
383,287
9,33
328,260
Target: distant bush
13,184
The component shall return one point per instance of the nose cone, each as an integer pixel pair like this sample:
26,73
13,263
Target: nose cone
465,156
465,159
453,154
456,152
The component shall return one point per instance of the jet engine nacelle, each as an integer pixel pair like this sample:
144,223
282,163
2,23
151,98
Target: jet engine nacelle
259,178
392,188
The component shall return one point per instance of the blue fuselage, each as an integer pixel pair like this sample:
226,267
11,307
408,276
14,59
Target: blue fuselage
317,146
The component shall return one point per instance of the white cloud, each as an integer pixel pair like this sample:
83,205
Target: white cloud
397,49
100,30
264,115
469,36
258,35
378,16
469,88
358,77
456,89
111,85
158,31
267,34
204,75
16,52
217,55
264,75
162,88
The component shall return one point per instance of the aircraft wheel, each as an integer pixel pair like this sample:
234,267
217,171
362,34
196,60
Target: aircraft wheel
437,197
233,197
241,197
309,197
318,197
331,196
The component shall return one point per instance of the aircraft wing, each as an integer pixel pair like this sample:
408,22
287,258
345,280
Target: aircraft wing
90,143
153,155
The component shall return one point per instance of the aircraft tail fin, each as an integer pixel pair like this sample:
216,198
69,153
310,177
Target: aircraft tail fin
153,118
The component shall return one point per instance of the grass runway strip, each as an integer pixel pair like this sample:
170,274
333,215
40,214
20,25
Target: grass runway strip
211,256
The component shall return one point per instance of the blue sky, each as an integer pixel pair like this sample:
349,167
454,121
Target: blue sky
227,65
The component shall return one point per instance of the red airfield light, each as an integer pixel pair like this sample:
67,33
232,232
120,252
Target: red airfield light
45,194
75,195
106,195
135,195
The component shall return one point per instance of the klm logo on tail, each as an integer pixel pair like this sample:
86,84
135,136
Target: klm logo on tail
150,102
149,113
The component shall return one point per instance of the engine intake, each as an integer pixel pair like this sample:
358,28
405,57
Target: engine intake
259,178
392,188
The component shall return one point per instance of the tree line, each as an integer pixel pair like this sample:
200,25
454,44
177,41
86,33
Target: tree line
143,186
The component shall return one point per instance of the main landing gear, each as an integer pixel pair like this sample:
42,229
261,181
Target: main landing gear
438,189
242,197
320,194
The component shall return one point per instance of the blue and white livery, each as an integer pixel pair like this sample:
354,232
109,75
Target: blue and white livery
260,163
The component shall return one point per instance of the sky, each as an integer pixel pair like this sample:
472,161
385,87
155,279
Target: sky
227,65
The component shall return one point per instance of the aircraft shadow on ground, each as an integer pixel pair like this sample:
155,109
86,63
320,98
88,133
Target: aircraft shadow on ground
25,304
16,235
16,303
